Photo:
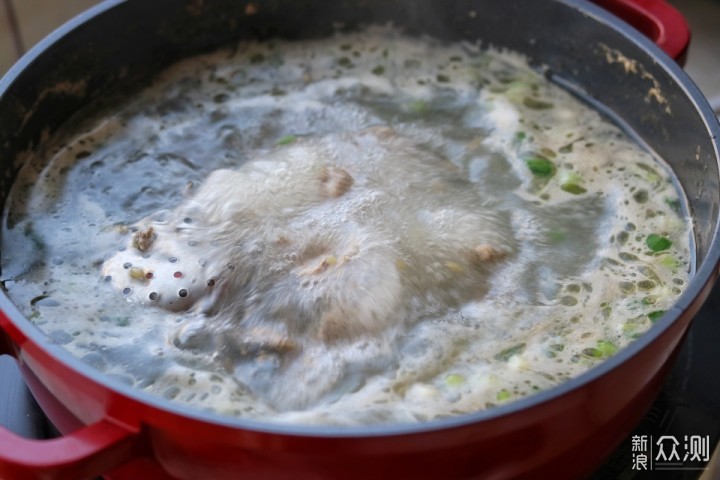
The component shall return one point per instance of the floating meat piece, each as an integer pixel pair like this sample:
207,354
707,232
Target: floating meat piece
315,243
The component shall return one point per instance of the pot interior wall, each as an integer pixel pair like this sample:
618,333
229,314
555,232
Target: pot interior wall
129,41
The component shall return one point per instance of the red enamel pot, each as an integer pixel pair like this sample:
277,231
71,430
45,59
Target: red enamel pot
111,429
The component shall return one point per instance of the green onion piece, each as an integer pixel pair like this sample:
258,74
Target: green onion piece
653,316
548,152
379,70
607,348
556,235
503,395
442,78
536,104
556,347
651,173
417,106
506,354
566,148
454,380
592,352
668,261
656,243
630,328
673,203
649,300
571,182
287,140
540,166
573,188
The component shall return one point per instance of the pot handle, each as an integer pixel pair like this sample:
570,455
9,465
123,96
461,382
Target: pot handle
5,344
82,454
657,20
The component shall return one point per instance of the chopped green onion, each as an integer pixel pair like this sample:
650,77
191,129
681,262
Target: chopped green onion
536,104
592,352
379,70
673,203
573,188
417,106
651,173
503,395
287,140
656,243
540,166
556,235
556,347
548,152
649,300
566,148
506,354
607,348
653,316
454,380
519,137
570,182
668,261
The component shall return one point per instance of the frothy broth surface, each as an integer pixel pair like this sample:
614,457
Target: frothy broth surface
358,230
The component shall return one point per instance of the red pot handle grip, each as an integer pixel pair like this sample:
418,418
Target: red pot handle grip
82,454
5,345
657,20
